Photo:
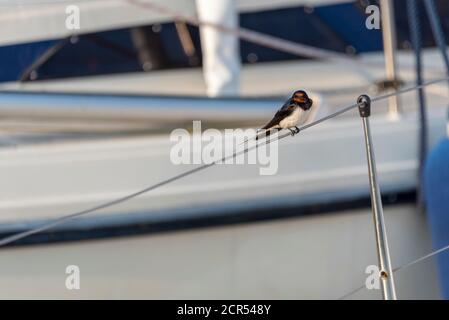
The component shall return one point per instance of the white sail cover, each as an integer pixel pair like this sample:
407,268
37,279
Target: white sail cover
24,21
221,55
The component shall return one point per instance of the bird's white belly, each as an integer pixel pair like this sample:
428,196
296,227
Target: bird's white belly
292,120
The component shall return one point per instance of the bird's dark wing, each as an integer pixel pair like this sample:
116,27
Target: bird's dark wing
283,112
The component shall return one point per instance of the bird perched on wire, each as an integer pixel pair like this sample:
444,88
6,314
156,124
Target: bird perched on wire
295,111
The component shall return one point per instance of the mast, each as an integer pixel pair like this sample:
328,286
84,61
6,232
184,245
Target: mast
389,42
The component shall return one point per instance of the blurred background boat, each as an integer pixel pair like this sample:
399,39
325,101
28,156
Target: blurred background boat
86,118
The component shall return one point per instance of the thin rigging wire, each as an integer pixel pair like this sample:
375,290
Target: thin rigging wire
352,292
49,225
404,266
437,30
60,220
259,38
427,256
416,37
48,2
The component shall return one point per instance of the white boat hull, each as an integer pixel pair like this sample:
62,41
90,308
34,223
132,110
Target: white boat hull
315,257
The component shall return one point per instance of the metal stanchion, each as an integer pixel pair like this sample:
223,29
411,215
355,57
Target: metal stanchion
386,273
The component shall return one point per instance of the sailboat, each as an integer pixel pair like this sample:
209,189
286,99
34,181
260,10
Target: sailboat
73,142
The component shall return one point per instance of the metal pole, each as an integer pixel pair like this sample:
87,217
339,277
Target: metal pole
386,273
389,41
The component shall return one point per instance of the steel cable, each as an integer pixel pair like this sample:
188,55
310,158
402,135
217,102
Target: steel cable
402,267
49,225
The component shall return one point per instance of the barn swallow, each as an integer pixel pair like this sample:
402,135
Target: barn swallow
294,112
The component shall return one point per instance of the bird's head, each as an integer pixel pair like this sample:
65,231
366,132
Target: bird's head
302,100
